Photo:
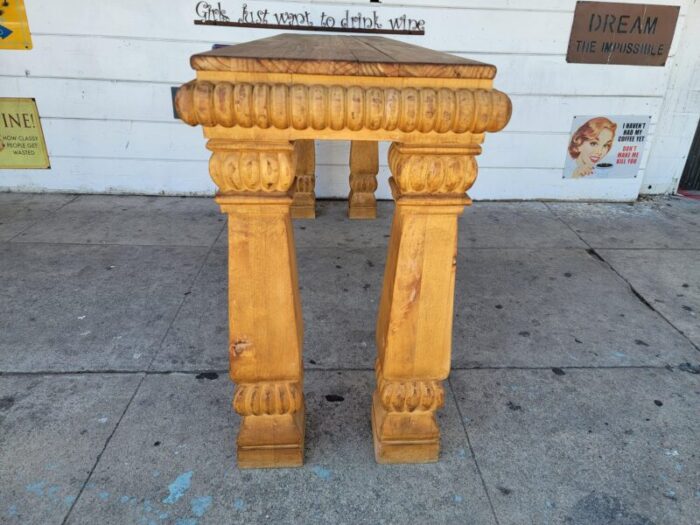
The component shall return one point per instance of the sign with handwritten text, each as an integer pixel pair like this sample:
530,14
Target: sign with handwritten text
22,142
309,18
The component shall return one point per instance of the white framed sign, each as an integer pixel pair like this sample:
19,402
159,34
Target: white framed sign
606,147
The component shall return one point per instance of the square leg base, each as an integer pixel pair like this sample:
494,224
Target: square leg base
270,457
410,450
271,441
303,212
362,212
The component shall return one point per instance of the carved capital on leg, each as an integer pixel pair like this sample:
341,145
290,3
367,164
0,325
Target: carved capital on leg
304,204
364,166
252,167
431,170
414,326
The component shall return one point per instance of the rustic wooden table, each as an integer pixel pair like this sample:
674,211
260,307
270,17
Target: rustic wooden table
261,105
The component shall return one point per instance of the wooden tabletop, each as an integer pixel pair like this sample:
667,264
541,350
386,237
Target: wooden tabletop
339,55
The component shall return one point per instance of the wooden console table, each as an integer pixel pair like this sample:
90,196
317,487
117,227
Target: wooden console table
261,105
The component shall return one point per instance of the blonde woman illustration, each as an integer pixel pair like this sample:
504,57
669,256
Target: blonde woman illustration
590,143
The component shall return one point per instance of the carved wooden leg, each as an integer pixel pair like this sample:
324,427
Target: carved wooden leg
265,319
304,204
364,166
414,326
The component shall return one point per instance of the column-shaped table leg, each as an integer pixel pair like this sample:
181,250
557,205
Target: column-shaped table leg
414,326
364,166
304,204
265,321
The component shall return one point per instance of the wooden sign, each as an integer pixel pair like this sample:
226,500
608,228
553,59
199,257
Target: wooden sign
22,142
615,33
14,28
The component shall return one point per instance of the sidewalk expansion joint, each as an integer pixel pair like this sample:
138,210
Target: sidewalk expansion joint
99,456
221,371
471,450
595,254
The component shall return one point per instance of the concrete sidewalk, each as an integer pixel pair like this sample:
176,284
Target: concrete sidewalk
573,399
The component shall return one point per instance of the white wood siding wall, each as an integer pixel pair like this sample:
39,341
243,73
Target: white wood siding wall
101,73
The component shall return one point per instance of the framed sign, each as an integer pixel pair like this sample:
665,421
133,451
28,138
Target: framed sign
615,33
22,142
606,147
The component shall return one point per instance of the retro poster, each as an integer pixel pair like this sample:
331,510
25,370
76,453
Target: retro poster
606,147
22,142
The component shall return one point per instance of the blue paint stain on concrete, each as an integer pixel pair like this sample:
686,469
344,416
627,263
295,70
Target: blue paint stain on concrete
52,491
178,487
200,505
619,355
163,516
104,496
321,472
12,511
36,488
186,521
68,500
458,499
462,453
239,504
124,499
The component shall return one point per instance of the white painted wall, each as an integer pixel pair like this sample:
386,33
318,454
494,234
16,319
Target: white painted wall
679,114
101,73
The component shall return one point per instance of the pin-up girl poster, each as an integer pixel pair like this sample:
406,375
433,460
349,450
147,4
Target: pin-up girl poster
605,147
590,144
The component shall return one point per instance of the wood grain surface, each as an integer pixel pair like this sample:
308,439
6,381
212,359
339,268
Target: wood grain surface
339,55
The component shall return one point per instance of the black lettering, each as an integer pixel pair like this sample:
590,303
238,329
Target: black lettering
282,18
200,9
597,19
650,25
377,24
398,23
637,25
609,22
246,16
622,24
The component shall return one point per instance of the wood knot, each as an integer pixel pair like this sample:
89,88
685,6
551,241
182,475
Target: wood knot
240,345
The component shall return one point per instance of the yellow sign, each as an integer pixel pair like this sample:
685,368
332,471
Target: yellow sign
22,142
14,28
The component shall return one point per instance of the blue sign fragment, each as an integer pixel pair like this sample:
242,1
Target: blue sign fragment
4,32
